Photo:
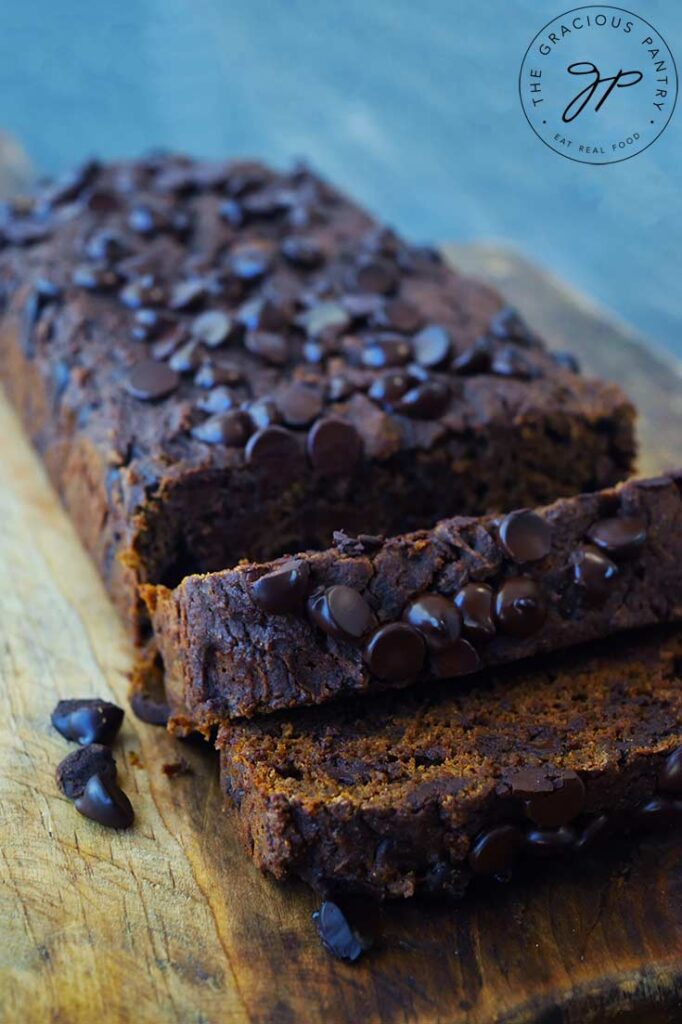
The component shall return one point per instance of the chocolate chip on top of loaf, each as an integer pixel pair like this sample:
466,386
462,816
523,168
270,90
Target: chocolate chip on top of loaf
218,361
441,603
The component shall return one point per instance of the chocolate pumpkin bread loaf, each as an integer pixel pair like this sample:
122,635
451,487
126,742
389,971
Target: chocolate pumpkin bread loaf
422,790
370,614
217,361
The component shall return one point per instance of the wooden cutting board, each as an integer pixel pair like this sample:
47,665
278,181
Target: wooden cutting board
170,922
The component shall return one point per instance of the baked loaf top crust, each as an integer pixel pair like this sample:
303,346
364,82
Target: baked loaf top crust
372,614
420,790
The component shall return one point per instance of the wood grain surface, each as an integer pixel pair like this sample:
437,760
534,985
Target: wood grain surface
169,922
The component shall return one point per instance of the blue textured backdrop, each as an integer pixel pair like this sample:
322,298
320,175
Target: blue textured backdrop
412,106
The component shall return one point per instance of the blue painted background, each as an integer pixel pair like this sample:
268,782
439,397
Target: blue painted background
412,106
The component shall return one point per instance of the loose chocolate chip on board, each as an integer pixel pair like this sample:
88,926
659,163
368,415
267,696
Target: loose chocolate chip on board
436,618
495,850
460,659
284,589
89,720
520,606
395,652
342,612
550,842
595,573
75,770
525,536
104,801
475,603
150,709
670,777
594,833
619,537
336,934
150,380
334,447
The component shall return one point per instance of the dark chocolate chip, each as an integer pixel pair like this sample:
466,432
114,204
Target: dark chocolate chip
384,352
185,359
219,399
336,934
188,294
525,536
520,606
104,801
342,612
150,380
425,402
436,618
389,388
212,328
550,798
284,589
550,842
361,307
145,221
619,537
263,412
299,404
151,323
334,447
231,429
270,347
594,833
327,319
432,346
75,770
89,720
150,709
395,652
106,246
506,324
302,252
376,275
232,212
68,187
250,261
595,573
476,359
509,362
102,201
567,360
211,374
95,278
661,812
460,659
399,315
670,776
145,291
261,314
494,851
271,448
339,388
475,602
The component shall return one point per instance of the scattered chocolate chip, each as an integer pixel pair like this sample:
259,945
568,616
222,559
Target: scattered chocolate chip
425,402
302,252
670,776
477,358
399,315
284,589
520,606
68,187
211,374
385,352
89,720
619,537
102,201
271,448
104,801
327,319
250,261
231,429
262,314
144,291
95,278
263,412
336,934
494,851
567,360
150,709
389,388
219,399
185,359
661,812
212,328
550,842
525,536
106,246
299,404
188,294
593,834
75,770
145,221
432,346
376,275
151,323
460,659
268,346
395,652
334,447
339,388
150,380
436,618
475,603
341,612
509,362
506,324
594,572
361,307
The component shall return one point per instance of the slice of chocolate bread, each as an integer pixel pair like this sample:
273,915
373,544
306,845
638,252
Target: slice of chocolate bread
422,790
217,361
371,614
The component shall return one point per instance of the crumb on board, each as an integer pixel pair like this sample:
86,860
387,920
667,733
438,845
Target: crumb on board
174,768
